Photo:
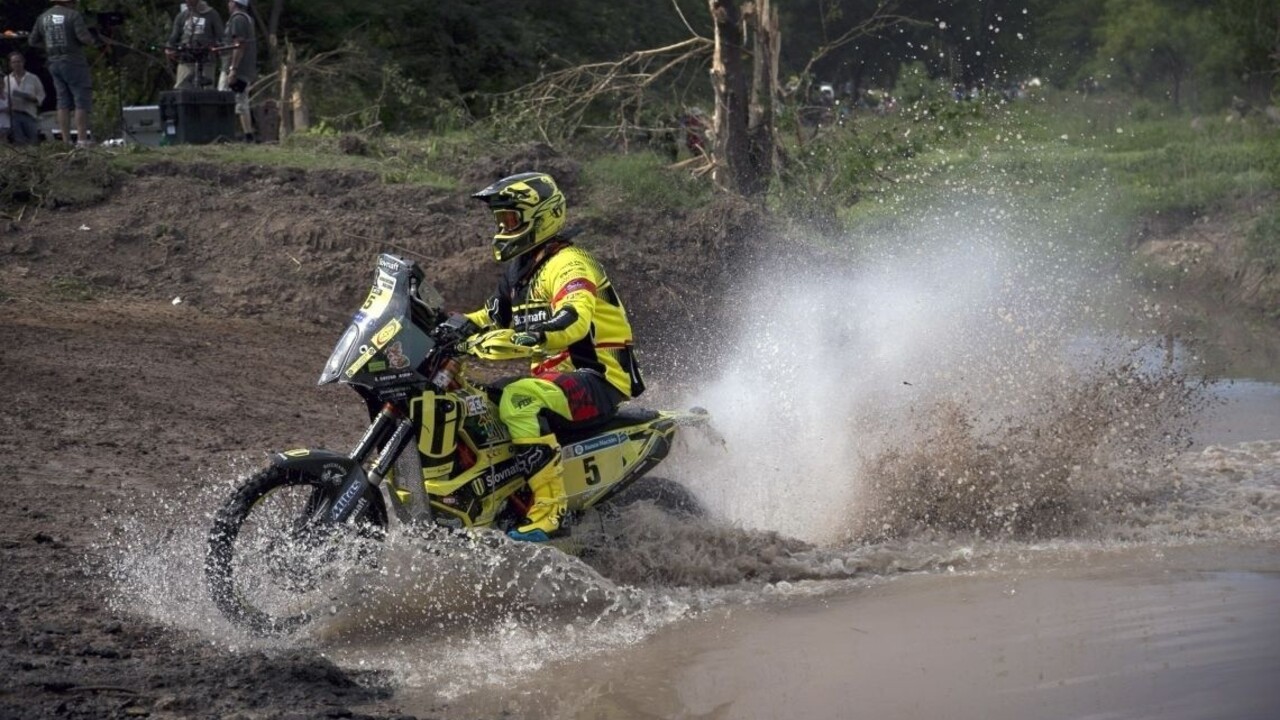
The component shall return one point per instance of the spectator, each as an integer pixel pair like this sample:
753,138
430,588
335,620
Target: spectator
62,32
694,126
6,116
194,34
240,62
26,94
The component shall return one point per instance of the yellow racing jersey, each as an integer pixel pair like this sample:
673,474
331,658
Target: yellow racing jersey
564,292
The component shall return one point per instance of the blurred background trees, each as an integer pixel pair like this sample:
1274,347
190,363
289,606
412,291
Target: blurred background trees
438,64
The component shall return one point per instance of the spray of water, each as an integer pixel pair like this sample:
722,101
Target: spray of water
962,380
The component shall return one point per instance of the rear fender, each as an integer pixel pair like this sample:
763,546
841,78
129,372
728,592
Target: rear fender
693,417
700,419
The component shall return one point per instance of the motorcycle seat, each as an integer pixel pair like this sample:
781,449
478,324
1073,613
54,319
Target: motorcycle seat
626,416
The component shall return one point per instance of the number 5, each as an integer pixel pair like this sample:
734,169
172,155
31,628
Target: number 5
593,472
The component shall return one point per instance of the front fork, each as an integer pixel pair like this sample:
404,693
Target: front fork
353,496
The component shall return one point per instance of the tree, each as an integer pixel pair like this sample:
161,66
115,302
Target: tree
742,126
1155,41
1253,27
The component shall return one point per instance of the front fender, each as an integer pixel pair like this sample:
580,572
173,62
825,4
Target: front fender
334,468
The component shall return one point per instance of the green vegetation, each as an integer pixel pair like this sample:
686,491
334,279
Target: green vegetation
408,89
70,288
641,180
1079,162
429,162
51,176
1264,239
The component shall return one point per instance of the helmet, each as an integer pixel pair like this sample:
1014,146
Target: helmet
530,210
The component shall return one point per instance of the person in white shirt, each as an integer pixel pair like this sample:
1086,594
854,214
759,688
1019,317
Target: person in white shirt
25,93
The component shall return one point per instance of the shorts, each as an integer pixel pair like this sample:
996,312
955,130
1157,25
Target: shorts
240,88
72,83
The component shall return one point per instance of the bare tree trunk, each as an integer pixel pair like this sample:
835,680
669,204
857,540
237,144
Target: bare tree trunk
743,122
764,91
301,114
273,33
286,91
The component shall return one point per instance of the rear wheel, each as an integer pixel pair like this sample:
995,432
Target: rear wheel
272,553
668,495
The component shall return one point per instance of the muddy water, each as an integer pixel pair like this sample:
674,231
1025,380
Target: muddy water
1168,606
1169,612
1250,410
1188,632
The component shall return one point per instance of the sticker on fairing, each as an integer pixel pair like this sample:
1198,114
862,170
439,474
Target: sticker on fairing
366,353
396,357
379,295
593,445
386,332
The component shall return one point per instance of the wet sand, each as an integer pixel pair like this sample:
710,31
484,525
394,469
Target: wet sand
1184,632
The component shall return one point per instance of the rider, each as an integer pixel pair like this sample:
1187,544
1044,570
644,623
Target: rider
556,297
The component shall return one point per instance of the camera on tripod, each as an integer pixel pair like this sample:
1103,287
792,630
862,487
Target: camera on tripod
201,56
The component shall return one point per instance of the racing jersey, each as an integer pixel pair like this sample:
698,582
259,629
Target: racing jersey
567,295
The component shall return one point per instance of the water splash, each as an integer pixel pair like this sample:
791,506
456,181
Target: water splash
846,377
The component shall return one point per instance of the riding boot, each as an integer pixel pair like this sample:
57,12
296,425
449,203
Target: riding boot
546,480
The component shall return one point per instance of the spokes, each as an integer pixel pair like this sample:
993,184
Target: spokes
282,554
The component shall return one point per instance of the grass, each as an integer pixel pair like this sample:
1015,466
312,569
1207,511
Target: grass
1090,167
52,176
70,288
641,180
429,162
1264,238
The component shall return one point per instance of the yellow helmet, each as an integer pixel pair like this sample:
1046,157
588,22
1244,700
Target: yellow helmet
530,210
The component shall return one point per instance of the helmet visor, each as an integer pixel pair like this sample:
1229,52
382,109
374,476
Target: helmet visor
508,220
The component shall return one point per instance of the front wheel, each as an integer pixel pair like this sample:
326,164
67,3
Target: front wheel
272,553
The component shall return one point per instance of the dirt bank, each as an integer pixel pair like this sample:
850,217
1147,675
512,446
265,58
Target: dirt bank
1207,262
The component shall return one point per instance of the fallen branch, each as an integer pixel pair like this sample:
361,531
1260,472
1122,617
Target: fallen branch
558,103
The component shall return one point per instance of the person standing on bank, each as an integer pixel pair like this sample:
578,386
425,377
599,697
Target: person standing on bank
63,34
240,61
26,93
194,32
6,116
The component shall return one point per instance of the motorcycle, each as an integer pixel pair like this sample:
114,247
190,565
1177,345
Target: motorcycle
435,455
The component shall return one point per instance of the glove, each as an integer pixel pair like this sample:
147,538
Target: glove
529,338
455,328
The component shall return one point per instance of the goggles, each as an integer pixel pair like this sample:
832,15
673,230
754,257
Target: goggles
508,220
